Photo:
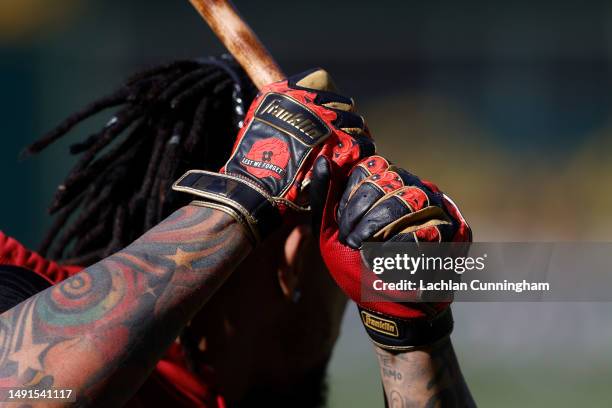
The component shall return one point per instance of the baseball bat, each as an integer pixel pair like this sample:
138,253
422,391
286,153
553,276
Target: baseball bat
235,34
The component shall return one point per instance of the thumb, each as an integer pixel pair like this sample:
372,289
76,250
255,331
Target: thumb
317,79
320,184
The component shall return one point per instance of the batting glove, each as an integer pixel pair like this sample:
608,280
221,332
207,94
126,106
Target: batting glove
287,127
381,202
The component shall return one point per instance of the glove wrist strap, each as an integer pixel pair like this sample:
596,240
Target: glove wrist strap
245,198
394,334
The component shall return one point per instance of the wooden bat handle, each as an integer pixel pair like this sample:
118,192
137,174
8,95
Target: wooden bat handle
240,40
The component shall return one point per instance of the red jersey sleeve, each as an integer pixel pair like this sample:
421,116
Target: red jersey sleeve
12,252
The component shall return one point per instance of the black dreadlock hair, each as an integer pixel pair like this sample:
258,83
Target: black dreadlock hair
168,119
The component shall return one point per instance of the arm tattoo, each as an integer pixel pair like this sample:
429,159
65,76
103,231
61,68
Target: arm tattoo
108,325
428,378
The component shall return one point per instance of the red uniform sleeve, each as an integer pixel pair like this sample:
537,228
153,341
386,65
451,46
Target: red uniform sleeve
172,384
12,252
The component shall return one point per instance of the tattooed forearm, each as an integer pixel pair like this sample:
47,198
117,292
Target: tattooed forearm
108,325
429,378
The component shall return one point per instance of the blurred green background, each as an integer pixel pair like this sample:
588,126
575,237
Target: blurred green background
506,105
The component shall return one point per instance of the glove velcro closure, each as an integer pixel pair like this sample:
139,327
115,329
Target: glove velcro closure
394,334
248,200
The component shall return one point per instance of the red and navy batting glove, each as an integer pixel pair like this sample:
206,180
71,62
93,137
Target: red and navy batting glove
381,202
287,127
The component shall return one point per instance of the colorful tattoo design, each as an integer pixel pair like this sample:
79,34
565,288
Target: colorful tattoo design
108,325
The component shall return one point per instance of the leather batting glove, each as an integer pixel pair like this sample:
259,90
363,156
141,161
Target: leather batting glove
287,127
381,202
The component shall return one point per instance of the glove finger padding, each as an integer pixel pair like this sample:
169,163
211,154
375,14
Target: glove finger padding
393,201
365,168
363,195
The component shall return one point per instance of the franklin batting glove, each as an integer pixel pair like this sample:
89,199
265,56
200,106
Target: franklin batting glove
381,202
287,127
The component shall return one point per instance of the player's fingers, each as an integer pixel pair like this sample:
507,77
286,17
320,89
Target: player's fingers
350,149
332,101
367,167
349,122
383,213
443,232
368,192
389,214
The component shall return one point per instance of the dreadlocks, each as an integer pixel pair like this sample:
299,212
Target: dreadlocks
168,119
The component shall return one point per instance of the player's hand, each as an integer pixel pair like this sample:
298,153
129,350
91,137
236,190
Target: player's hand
287,127
381,202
